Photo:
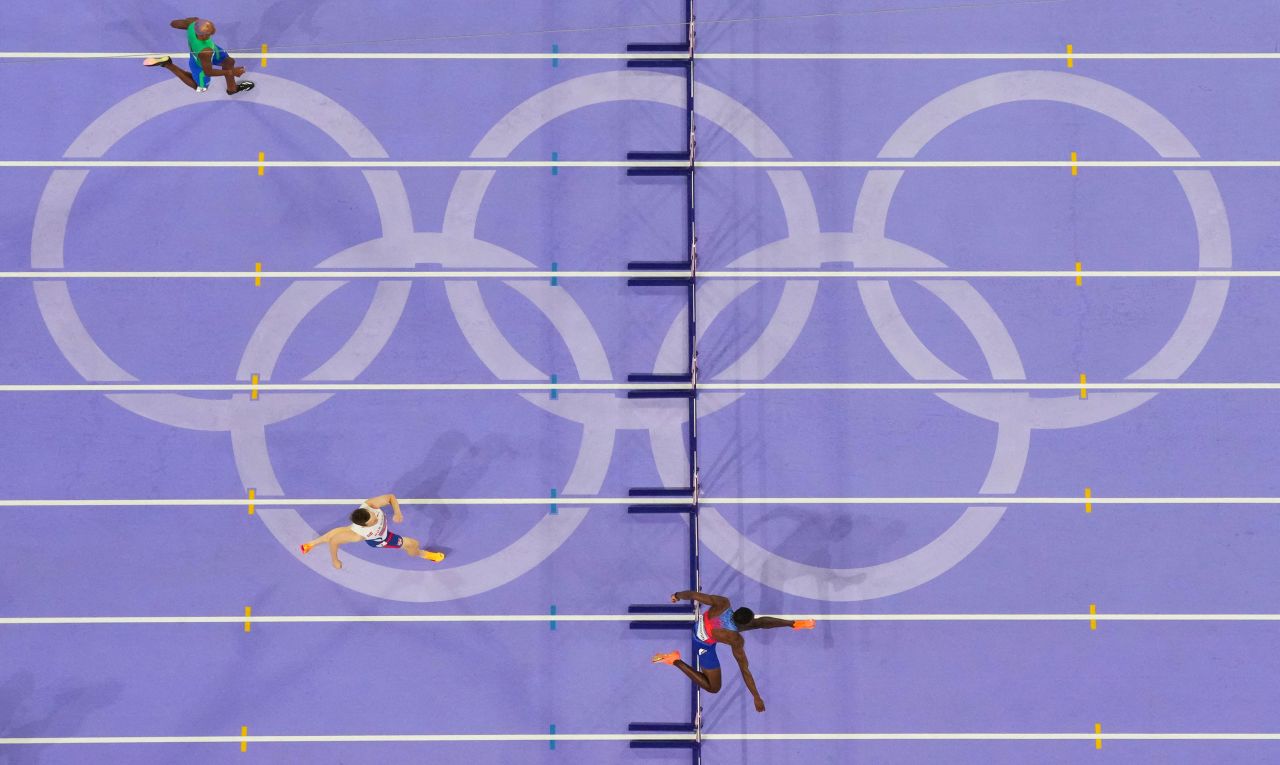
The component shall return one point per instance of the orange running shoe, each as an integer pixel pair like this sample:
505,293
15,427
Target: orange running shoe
802,624
666,658
306,548
434,557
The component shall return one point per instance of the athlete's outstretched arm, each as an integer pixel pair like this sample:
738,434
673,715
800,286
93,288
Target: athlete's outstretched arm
183,23
206,64
767,623
719,602
382,500
740,654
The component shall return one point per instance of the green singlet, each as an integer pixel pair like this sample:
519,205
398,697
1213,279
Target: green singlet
197,46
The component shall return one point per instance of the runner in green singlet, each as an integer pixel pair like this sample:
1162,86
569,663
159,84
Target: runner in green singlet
207,60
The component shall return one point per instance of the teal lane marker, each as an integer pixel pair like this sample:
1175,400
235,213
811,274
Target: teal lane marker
555,157
555,62
553,624
553,733
555,510
554,279
555,394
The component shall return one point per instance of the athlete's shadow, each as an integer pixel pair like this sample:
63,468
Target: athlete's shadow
149,32
813,540
61,714
152,31
453,466
273,25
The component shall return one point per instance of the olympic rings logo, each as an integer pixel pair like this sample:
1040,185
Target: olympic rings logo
603,415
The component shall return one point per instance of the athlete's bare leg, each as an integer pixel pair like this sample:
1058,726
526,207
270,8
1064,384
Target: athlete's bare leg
708,679
413,548
182,74
229,66
324,538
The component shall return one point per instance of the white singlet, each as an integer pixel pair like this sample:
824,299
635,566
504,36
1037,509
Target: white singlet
375,532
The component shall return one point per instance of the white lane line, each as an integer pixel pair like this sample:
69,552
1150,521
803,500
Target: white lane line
371,56
369,738
992,499
355,163
515,737
320,387
1001,386
957,56
775,164
261,502
321,274
469,618
702,274
707,56
990,736
570,387
1083,617
341,618
906,164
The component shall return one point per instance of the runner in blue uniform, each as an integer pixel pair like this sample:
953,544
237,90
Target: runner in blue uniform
721,623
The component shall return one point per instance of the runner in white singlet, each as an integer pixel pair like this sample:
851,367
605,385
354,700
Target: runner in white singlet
369,525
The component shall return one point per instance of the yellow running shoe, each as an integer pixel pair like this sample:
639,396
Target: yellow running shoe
434,557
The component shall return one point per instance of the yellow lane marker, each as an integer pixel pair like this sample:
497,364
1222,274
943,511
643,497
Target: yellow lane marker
1075,170
1070,61
1079,274
247,613
244,729
264,55
253,394
1084,392
1088,494
262,157
1093,611
253,493
257,271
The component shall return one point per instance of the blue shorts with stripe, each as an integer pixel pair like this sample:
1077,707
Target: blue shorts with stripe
197,70
706,653
393,541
